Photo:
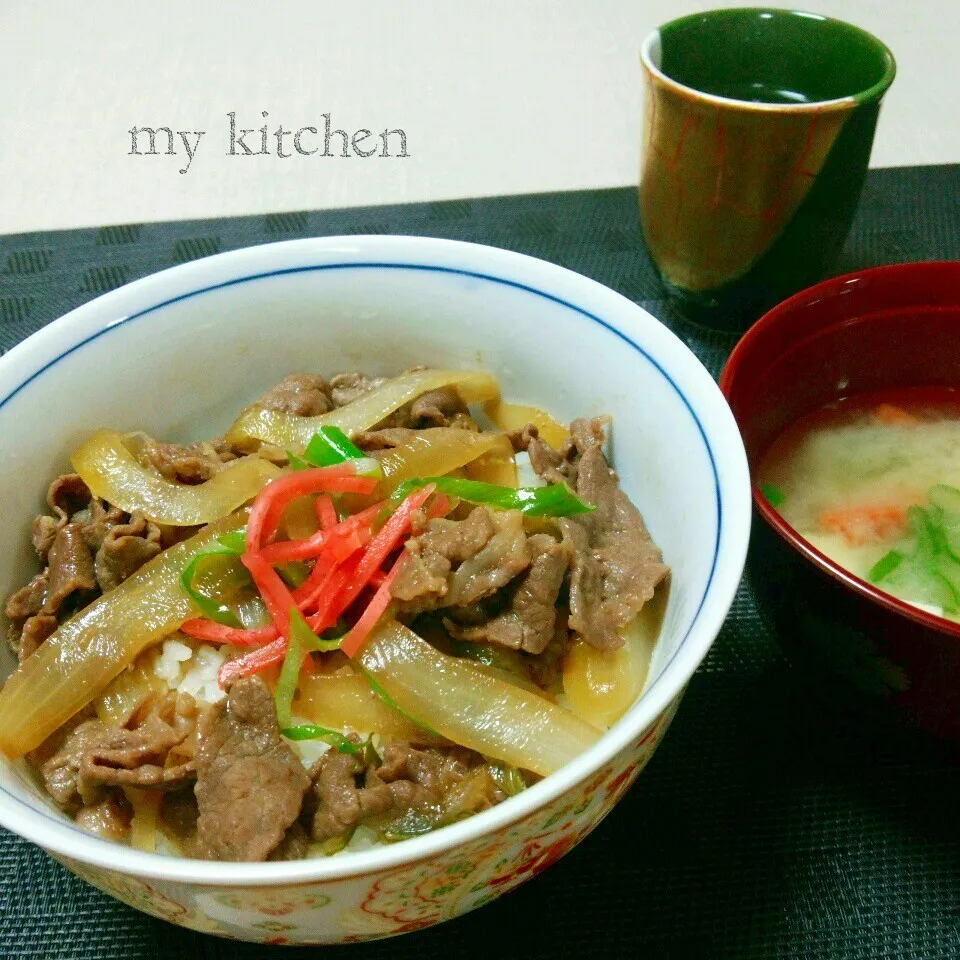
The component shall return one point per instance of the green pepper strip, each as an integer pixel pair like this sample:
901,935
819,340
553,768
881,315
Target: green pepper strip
290,671
302,641
229,545
330,446
554,500
310,731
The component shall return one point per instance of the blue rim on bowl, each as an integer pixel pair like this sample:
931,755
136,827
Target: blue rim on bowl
590,301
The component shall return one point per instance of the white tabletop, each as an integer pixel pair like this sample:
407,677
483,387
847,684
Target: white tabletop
494,97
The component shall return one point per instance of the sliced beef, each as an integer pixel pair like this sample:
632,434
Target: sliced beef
546,669
529,622
458,565
70,500
347,387
70,567
374,441
342,797
557,466
616,565
434,770
66,495
97,519
94,756
87,545
109,818
178,817
29,624
335,794
294,845
250,783
143,759
440,408
33,633
547,463
422,583
438,786
61,771
28,601
505,555
299,394
192,463
584,434
125,548
44,533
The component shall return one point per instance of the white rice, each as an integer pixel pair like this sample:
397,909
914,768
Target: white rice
526,475
193,670
309,751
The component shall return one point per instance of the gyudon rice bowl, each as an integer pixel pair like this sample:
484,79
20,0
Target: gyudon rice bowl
347,621
402,612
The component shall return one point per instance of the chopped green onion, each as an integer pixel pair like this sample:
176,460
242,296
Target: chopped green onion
412,824
370,756
773,495
508,779
927,573
946,504
388,700
326,644
229,545
309,640
296,463
555,500
467,650
945,497
330,446
336,843
310,731
297,648
919,522
885,566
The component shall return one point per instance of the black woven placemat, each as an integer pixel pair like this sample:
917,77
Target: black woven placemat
763,828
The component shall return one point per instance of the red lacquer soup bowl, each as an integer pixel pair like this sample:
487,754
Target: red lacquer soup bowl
887,328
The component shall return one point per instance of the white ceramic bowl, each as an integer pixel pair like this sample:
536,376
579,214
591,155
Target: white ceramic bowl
178,353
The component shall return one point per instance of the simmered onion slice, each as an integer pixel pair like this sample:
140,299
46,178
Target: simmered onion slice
471,707
437,452
601,685
294,433
112,472
78,661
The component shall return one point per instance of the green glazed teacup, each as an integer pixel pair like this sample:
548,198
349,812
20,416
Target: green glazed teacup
757,135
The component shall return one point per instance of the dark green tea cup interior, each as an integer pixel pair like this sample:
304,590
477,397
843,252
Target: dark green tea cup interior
774,56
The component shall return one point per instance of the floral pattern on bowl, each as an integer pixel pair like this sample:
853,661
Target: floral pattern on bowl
400,900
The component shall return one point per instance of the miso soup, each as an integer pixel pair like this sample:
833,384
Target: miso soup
873,482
